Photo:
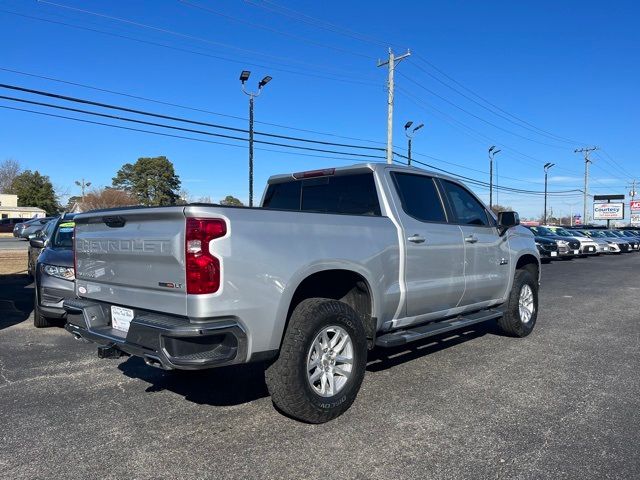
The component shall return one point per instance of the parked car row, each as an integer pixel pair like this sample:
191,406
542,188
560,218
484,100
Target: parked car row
50,264
565,243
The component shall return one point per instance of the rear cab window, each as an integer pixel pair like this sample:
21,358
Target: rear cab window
351,194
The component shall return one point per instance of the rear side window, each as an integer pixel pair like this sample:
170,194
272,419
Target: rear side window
419,197
467,209
346,194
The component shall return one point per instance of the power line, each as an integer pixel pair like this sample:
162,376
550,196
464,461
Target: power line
178,119
468,179
182,137
185,50
423,59
278,59
190,130
271,29
309,20
506,116
194,109
476,116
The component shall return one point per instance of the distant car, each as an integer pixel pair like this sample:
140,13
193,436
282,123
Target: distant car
30,228
602,246
547,248
567,247
587,246
7,224
616,244
54,273
34,251
634,244
629,235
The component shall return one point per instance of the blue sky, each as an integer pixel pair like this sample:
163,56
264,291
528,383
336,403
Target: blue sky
569,69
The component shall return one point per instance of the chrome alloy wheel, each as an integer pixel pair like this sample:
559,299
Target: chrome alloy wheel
525,303
330,361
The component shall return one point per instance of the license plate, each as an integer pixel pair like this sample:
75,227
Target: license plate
576,252
554,254
121,318
606,249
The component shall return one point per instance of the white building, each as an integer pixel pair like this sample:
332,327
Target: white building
9,208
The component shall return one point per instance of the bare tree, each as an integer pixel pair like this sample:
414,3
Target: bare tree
9,169
107,198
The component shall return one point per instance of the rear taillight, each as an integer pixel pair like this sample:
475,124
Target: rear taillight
203,269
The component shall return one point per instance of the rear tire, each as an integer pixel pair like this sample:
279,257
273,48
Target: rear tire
322,335
522,306
39,321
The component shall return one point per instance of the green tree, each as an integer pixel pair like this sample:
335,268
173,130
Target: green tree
35,190
231,201
151,180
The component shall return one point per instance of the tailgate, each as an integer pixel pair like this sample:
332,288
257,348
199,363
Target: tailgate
132,257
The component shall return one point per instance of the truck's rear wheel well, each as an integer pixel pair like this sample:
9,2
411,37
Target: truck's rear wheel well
529,263
343,285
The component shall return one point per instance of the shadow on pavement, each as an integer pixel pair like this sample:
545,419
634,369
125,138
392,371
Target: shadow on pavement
384,358
233,385
240,384
16,299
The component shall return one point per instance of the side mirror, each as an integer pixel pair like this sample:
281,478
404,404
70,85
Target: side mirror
37,242
506,220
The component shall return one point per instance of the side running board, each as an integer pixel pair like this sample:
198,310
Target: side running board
401,337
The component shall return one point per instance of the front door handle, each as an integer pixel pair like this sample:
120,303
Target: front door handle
416,238
470,239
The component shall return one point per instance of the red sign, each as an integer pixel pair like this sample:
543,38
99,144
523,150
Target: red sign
634,206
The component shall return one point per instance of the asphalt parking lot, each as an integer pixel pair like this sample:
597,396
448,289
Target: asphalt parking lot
561,403
11,243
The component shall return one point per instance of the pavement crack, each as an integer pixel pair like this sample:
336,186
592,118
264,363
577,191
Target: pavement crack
3,376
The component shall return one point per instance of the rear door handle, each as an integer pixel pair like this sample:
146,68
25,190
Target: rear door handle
416,238
470,239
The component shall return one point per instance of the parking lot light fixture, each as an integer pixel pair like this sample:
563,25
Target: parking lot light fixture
492,153
410,134
244,76
547,166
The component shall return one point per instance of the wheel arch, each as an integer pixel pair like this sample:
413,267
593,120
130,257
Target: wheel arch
343,283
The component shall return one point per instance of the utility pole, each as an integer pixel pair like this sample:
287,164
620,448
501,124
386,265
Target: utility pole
492,153
586,152
391,62
82,184
410,135
244,76
632,191
547,166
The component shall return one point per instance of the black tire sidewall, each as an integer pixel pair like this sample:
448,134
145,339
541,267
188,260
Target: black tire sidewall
522,278
348,323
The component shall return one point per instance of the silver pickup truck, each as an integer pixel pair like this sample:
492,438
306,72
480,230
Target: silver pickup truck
333,263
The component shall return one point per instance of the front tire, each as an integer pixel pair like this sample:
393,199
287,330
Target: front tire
322,361
39,320
522,306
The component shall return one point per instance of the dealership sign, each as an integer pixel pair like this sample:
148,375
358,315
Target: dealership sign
635,206
608,211
635,219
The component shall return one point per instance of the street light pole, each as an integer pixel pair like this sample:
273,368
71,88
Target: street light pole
410,135
547,166
492,153
82,184
244,76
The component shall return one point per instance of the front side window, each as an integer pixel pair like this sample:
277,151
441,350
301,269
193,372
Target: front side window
466,207
419,197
